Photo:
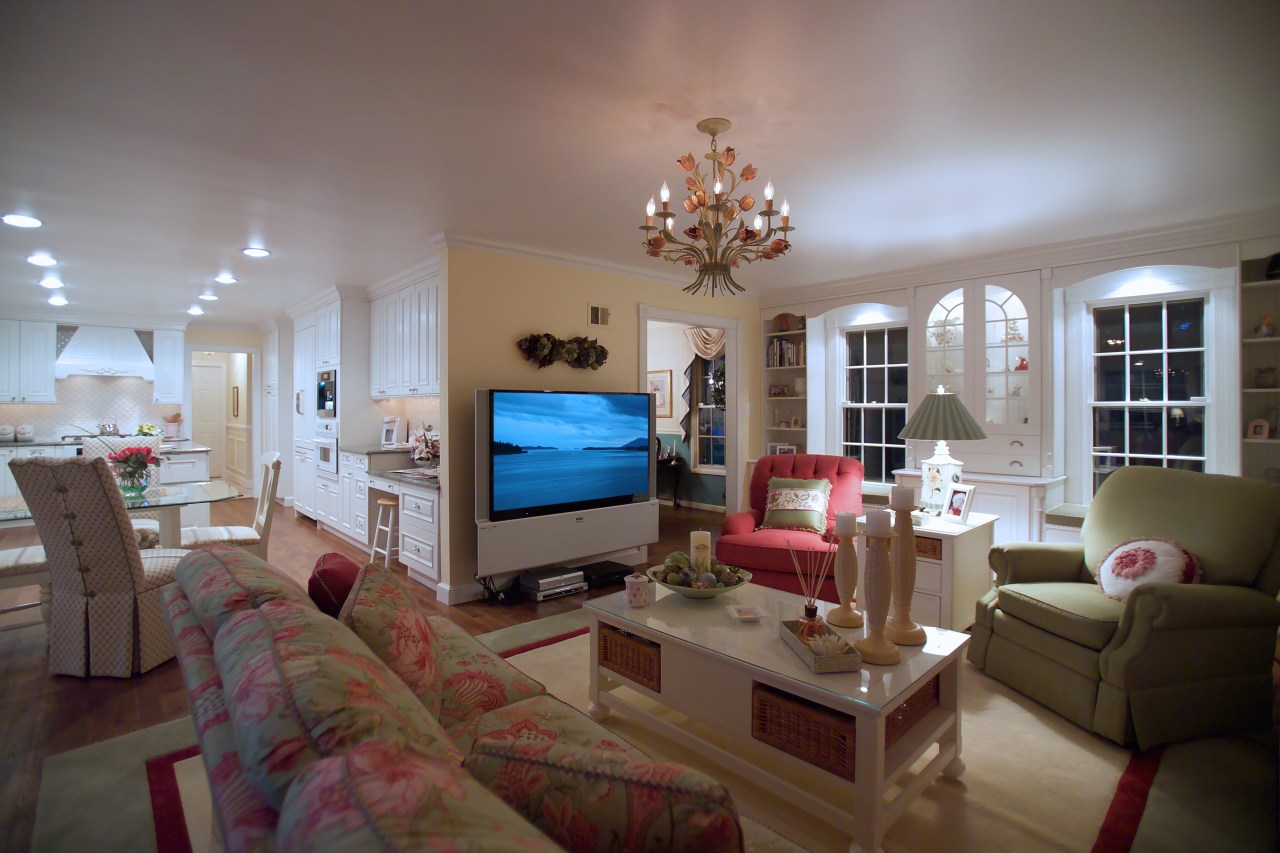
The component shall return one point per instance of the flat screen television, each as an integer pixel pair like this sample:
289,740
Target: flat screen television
563,451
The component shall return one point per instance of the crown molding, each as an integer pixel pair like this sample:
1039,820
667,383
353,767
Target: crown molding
428,269
122,321
266,327
1206,232
457,241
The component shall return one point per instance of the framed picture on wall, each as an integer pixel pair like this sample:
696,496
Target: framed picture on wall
660,388
775,448
956,505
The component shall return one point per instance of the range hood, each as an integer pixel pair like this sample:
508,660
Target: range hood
104,351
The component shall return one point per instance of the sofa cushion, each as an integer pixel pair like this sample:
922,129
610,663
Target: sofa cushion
382,613
580,785
331,581
221,580
767,550
473,679
793,504
1076,611
1141,561
382,795
301,687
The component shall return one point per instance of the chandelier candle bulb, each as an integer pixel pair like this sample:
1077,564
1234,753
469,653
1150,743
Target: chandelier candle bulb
648,212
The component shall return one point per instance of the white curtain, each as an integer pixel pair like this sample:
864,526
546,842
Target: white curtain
708,343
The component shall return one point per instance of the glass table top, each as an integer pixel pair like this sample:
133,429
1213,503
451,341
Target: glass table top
706,623
175,494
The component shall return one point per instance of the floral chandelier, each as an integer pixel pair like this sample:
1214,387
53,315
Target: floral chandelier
720,240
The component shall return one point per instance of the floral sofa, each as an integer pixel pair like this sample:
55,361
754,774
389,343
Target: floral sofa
388,729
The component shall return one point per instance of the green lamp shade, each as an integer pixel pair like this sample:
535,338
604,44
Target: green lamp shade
942,417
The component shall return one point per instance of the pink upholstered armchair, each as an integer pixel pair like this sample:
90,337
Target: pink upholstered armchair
763,552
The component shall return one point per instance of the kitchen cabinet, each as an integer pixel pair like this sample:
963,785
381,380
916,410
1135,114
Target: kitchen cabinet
168,355
271,363
304,383
187,468
420,533
329,335
327,499
29,350
404,346
8,486
304,479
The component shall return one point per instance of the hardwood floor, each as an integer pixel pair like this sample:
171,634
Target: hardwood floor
43,714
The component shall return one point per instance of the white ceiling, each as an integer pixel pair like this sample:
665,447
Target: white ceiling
156,139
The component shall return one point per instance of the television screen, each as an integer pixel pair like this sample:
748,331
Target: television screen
560,451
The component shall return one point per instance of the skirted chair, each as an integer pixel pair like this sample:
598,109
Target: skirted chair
253,539
145,524
107,617
745,543
1173,660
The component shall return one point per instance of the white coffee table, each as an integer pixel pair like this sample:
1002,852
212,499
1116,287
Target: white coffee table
692,657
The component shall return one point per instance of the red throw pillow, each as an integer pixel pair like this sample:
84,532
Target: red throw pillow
331,582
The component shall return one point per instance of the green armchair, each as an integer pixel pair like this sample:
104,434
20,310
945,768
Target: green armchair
1172,661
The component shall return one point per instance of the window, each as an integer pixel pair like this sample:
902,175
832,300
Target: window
874,400
707,390
1149,367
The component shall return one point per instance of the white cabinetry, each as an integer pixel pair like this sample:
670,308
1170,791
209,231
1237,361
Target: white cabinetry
271,363
785,382
304,479
327,499
951,570
1260,361
29,350
184,468
8,487
353,496
169,356
304,383
329,335
420,533
404,346
1018,503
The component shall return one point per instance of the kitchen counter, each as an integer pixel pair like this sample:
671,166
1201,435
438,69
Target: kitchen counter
373,449
423,478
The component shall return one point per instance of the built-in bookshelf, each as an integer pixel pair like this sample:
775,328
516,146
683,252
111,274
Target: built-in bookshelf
1260,366
786,387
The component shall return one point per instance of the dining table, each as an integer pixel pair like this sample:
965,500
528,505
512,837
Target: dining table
166,501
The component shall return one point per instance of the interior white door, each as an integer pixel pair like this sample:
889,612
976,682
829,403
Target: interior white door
209,413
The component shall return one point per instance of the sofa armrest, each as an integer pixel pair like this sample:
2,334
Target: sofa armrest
738,523
1036,562
1173,606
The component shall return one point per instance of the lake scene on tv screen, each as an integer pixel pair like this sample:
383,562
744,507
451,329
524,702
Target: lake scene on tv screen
550,449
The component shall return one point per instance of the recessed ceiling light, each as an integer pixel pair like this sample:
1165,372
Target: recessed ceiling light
57,299
51,281
226,278
42,259
21,220
255,252
209,296
195,310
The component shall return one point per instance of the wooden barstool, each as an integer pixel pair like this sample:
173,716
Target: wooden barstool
387,508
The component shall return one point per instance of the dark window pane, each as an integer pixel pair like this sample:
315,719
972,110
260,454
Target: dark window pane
873,465
853,425
717,453
1109,381
875,426
894,458
875,385
875,347
1109,323
704,451
1150,463
1186,323
853,451
1145,372
894,421
1146,430
1146,327
1188,464
1186,431
897,392
1108,430
897,346
854,392
853,342
1186,375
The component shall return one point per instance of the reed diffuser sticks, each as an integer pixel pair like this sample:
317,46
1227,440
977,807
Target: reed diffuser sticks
811,574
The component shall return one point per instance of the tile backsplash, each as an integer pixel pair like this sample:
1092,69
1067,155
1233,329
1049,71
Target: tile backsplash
85,400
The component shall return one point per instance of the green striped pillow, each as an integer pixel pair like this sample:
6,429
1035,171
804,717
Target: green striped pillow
797,504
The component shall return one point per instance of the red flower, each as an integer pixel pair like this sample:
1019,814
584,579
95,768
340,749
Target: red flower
686,162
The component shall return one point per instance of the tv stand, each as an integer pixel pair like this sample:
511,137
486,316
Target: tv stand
525,543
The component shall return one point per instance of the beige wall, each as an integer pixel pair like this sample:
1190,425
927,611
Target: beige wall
223,336
494,300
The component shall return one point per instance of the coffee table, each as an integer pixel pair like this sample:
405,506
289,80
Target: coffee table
864,728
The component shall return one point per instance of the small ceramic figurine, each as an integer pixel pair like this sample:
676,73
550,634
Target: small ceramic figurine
1022,363
1265,328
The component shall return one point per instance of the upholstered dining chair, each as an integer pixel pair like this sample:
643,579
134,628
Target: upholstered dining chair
146,525
252,539
23,567
107,617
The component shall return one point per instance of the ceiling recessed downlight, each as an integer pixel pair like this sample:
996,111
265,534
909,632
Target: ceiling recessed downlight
51,281
255,252
58,299
42,259
21,220
226,278
209,296
195,310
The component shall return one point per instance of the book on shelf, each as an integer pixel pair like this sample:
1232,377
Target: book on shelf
784,353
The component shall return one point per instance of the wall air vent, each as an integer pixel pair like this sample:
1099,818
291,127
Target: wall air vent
599,316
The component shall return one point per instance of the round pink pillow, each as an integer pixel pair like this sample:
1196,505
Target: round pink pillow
1137,561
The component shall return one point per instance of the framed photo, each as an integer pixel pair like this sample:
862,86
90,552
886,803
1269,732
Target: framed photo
955,507
660,388
1259,428
778,391
775,449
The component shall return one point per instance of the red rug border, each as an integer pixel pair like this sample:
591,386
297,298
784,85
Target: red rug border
166,800
1120,826
538,644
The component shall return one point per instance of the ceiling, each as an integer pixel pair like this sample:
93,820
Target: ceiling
156,139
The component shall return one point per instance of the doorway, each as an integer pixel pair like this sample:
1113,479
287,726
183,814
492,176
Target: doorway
222,413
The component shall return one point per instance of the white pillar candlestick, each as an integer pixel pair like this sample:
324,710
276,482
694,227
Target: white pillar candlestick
902,497
700,550
846,573
901,629
874,648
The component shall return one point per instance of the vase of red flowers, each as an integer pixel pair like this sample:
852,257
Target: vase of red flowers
133,468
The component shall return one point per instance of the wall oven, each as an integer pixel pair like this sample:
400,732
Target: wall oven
326,455
327,393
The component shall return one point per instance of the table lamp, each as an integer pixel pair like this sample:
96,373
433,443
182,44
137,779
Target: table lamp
940,417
